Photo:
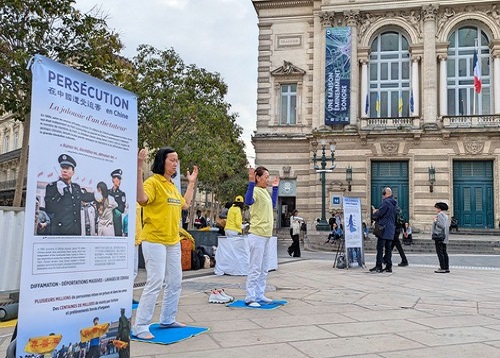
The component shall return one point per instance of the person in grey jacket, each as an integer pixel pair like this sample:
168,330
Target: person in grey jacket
440,235
385,215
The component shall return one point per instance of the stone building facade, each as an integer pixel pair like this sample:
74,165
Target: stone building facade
11,136
416,123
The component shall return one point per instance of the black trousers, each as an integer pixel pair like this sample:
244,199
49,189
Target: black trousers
387,258
294,248
442,255
396,242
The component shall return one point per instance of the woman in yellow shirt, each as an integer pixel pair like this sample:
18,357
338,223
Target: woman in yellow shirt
234,219
162,205
261,229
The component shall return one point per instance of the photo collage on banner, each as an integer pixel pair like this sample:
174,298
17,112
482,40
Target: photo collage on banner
78,249
353,232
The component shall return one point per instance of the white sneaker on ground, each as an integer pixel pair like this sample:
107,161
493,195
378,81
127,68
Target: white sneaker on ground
216,297
224,294
253,304
264,299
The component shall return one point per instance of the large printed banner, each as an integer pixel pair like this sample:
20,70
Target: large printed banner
78,257
337,75
353,232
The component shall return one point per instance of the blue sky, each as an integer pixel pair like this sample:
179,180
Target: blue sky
218,35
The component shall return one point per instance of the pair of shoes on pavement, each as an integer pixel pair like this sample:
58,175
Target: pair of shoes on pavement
219,296
387,269
403,264
442,271
376,269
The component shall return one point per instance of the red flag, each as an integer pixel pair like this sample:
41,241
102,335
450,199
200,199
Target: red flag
49,175
40,174
477,71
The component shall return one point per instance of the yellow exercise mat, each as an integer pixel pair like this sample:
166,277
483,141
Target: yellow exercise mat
10,323
88,333
42,345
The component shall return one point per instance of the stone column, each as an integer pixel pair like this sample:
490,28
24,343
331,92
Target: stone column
496,79
415,85
364,86
352,21
443,93
429,70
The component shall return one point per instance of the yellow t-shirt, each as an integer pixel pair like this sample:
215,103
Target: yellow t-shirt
138,224
162,212
234,219
261,213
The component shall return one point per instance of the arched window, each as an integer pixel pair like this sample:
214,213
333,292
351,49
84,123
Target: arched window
389,87
463,100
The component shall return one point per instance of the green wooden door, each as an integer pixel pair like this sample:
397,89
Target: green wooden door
473,194
395,176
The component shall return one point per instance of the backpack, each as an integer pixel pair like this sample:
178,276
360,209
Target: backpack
197,259
400,220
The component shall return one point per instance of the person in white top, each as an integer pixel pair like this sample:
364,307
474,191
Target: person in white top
294,248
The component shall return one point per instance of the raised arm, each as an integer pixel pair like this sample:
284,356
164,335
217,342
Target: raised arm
142,198
188,195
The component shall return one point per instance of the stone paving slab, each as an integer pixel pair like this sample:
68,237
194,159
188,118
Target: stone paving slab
412,312
456,351
355,346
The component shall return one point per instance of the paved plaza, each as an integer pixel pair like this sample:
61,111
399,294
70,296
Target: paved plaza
411,312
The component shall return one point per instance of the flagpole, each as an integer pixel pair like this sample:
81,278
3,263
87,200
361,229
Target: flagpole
473,68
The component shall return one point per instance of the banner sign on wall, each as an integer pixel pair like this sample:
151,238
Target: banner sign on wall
353,232
78,253
337,75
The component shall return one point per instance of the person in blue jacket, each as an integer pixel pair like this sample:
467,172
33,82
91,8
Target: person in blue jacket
385,216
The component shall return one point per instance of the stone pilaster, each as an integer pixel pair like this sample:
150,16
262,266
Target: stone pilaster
429,13
495,53
352,21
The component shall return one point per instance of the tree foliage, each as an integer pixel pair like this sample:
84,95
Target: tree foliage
53,28
183,106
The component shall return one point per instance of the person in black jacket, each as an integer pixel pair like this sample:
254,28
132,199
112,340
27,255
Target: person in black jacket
400,224
385,216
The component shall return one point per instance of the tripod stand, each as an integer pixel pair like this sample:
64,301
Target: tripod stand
340,254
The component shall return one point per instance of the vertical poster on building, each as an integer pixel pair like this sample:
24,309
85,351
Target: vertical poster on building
337,75
353,232
78,252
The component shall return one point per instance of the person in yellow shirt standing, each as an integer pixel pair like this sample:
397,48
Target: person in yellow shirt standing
261,229
234,221
162,205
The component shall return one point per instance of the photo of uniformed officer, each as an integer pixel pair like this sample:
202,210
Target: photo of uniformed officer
119,196
63,200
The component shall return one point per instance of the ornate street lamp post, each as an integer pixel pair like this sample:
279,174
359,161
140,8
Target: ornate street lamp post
323,224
